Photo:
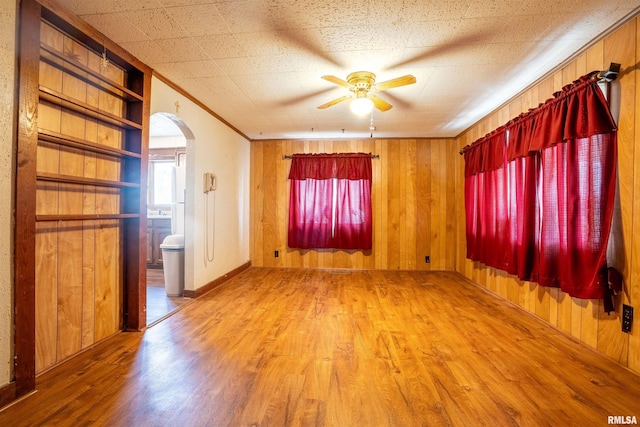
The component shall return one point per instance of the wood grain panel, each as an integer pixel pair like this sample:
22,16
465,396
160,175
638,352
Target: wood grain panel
620,47
105,277
423,203
70,289
70,262
450,204
88,282
394,204
46,295
381,210
88,251
411,206
436,196
402,192
270,209
46,250
257,205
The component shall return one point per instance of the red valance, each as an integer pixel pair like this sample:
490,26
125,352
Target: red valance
352,166
580,110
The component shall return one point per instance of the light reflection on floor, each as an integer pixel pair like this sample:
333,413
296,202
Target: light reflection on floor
159,304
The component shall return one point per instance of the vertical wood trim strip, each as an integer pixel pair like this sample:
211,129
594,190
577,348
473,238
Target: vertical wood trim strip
634,294
135,230
24,316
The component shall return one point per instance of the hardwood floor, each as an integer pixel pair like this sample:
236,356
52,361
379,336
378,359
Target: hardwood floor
159,304
274,347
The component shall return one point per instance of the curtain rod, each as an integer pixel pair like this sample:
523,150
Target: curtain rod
286,156
606,76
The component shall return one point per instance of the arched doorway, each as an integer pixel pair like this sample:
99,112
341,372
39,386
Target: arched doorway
168,136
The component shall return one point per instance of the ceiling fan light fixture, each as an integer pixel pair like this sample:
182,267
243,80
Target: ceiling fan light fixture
361,106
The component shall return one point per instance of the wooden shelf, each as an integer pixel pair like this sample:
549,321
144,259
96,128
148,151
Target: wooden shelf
59,60
69,179
69,141
86,109
84,217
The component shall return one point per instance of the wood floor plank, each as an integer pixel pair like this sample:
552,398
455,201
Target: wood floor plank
296,347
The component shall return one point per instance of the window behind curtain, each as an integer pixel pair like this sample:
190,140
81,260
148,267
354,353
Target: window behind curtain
539,193
330,201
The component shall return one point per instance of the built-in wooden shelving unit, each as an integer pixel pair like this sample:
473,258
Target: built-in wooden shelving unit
81,199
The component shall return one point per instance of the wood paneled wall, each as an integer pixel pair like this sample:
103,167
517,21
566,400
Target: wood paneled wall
582,319
412,195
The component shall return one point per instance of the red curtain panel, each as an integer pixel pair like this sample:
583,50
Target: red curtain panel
539,192
330,201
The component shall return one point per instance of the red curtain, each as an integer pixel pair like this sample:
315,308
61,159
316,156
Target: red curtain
539,192
330,201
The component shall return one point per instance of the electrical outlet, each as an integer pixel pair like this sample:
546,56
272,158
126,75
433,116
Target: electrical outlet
427,259
276,254
627,318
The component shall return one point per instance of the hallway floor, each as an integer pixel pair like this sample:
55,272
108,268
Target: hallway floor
159,304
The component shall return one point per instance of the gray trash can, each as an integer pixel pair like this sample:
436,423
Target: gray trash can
173,263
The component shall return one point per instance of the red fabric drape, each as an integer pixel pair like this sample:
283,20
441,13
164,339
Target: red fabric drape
330,201
539,192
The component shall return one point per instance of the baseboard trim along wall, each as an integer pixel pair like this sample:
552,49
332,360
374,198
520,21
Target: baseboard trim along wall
217,282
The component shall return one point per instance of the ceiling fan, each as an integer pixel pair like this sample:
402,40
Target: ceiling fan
363,86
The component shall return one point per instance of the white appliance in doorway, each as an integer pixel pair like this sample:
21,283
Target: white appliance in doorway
177,199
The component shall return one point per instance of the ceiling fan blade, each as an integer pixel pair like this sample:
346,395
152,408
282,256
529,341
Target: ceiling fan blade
337,80
399,81
459,43
334,102
397,101
380,103
297,99
289,30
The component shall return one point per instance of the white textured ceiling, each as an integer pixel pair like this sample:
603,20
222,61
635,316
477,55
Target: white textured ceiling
258,63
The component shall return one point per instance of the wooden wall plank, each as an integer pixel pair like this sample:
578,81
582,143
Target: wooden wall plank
449,252
107,278
620,47
369,146
382,210
411,206
47,202
281,196
437,196
402,212
70,259
70,291
46,295
270,208
257,204
423,203
88,283
394,201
